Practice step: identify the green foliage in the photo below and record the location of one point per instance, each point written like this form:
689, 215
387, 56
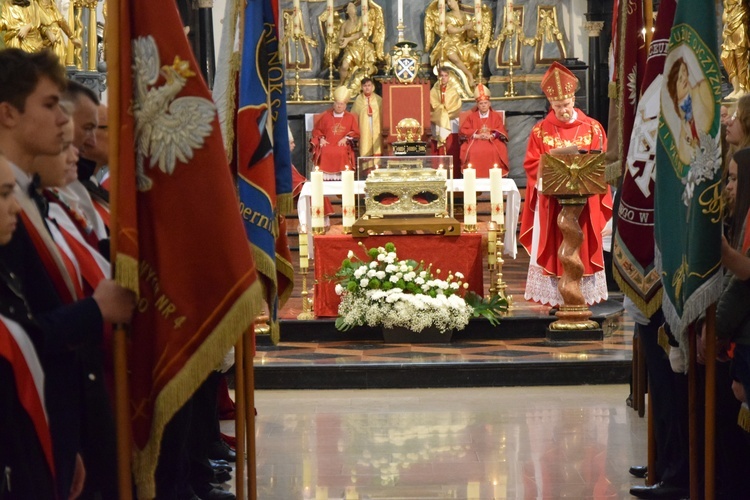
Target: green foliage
490, 308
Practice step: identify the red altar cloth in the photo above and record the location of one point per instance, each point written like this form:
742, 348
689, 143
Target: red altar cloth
448, 253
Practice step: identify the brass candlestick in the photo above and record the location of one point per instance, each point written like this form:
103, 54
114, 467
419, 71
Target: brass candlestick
330, 67
307, 310
304, 261
492, 254
296, 95
501, 285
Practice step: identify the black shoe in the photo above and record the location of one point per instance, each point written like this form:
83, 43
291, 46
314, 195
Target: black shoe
220, 466
221, 476
219, 450
211, 493
639, 471
660, 490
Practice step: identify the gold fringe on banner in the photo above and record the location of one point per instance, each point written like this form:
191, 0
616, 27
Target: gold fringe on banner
285, 203
238, 319
126, 273
743, 418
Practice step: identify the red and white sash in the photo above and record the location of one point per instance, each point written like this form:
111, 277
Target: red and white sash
16, 347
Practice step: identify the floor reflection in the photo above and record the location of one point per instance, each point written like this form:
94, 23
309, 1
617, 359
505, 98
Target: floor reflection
483, 443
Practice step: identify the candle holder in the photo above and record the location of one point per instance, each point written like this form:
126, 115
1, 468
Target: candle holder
501, 286
319, 230
296, 95
307, 303
329, 42
470, 228
492, 255
511, 32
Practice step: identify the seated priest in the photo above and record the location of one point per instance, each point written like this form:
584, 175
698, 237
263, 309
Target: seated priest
333, 137
484, 136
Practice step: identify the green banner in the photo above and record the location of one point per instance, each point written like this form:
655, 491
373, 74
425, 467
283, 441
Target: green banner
688, 212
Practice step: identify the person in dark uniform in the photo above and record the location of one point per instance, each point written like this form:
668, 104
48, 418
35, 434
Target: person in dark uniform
31, 123
26, 465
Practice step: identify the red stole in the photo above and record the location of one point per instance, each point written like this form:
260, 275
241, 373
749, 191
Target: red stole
56, 274
28, 393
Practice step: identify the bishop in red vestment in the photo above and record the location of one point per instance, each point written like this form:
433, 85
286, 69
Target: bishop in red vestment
484, 136
564, 126
333, 135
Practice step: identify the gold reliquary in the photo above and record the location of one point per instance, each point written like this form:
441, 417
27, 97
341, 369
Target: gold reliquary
406, 194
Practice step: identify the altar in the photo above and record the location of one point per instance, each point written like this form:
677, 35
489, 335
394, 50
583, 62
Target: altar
449, 254
333, 188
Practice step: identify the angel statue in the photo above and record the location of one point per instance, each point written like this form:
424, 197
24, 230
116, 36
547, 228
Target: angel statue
734, 49
53, 29
456, 46
361, 50
21, 22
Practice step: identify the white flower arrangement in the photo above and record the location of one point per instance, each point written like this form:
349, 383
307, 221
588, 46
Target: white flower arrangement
392, 293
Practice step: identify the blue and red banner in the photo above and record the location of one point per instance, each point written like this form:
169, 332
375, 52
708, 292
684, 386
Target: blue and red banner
263, 155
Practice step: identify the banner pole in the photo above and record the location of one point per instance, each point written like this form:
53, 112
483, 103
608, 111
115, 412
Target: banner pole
710, 431
120, 361
240, 416
249, 351
693, 417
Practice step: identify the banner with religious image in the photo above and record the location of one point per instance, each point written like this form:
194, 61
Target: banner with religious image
633, 244
688, 214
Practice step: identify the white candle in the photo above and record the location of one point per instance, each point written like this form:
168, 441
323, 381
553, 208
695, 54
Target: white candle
365, 16
470, 196
329, 20
442, 172
401, 12
477, 16
496, 194
318, 212
347, 197
304, 255
441, 12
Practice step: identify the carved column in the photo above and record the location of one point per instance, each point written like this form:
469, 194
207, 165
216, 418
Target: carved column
594, 30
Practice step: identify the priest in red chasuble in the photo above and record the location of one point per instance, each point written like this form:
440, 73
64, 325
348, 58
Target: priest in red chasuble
564, 126
484, 136
333, 136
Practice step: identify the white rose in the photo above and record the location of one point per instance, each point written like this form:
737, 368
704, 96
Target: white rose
364, 282
381, 257
339, 289
371, 273
393, 279
350, 254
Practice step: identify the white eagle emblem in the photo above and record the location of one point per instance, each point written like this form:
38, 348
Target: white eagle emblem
167, 129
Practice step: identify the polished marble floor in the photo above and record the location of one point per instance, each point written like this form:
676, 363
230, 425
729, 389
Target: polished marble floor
572, 442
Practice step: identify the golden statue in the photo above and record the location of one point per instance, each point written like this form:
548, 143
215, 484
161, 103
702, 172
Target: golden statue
53, 27
456, 46
362, 48
22, 21
734, 49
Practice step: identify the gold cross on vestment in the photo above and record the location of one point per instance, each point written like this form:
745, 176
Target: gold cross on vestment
338, 129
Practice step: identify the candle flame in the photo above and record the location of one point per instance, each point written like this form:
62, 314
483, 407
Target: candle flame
317, 168
494, 166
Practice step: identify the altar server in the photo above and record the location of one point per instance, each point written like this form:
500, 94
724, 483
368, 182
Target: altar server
366, 108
